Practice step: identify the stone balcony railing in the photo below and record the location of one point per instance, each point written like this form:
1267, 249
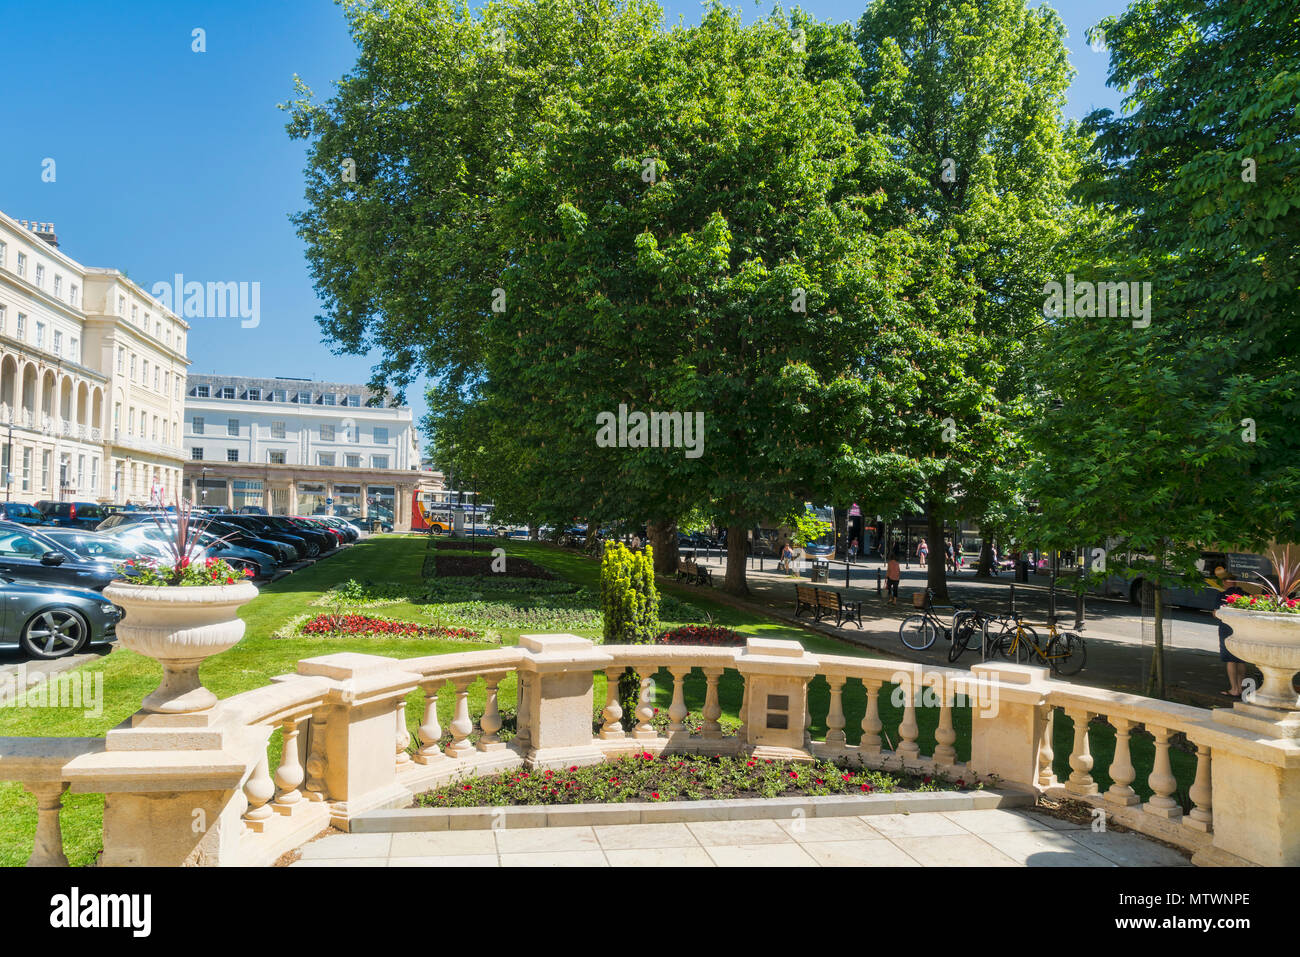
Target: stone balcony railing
200, 789
47, 424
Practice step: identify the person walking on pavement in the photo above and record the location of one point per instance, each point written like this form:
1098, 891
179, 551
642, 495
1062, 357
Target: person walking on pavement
922, 552
1236, 667
891, 579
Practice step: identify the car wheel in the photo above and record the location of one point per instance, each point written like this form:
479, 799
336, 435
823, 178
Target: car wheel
53, 633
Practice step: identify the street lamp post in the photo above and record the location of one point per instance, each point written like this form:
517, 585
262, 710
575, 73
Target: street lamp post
9, 467
203, 482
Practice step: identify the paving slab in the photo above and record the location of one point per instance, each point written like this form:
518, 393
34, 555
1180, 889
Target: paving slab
738, 833
548, 839
660, 857
639, 836
760, 855
1129, 849
828, 829
996, 821
1046, 848
450, 860
869, 853
556, 859
349, 845
913, 825
953, 850
444, 844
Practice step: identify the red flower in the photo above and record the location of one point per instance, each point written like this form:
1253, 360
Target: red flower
847, 777
573, 768
866, 787
655, 795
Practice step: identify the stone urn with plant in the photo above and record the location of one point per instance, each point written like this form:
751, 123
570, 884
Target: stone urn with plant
1266, 632
180, 609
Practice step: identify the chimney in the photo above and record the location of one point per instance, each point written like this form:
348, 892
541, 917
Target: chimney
44, 230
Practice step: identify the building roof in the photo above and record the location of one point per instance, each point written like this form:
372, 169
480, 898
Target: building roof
242, 384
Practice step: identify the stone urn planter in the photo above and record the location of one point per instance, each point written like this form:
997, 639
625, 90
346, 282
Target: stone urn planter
1271, 642
180, 626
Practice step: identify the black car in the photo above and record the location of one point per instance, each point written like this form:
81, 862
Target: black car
283, 552
50, 622
263, 526
28, 554
85, 515
22, 513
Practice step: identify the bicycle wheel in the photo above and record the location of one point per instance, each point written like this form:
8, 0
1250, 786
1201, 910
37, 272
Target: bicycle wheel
918, 632
1067, 653
961, 638
1025, 654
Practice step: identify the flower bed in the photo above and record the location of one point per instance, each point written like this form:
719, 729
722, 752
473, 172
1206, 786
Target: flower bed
366, 625
675, 777
520, 613
1270, 604
458, 566
711, 635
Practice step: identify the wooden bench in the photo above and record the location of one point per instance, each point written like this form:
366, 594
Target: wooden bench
805, 597
826, 603
694, 574
830, 603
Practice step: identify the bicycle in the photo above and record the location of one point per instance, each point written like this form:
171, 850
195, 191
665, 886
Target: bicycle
920, 631
1064, 652
973, 624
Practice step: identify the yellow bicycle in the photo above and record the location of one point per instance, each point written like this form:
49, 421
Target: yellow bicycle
1064, 651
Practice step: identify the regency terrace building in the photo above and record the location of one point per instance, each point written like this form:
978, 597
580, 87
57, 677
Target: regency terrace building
299, 447
92, 370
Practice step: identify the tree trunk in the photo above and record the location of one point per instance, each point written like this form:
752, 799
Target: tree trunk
985, 567
533, 532
936, 561
663, 539
841, 532
735, 580
1156, 681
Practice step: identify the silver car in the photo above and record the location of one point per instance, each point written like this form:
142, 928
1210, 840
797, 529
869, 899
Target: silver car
49, 621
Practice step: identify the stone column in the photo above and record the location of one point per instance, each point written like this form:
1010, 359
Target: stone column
1008, 722
557, 698
776, 683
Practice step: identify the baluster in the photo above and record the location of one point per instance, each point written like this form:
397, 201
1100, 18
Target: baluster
1162, 780
871, 723
316, 757
677, 710
430, 731
1121, 770
490, 723
945, 737
712, 730
523, 711
259, 788
807, 721
289, 775
402, 739
835, 737
613, 712
1080, 781
1201, 817
47, 849
1046, 776
461, 726
908, 730
645, 709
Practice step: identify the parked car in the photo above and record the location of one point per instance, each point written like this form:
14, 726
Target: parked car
146, 538
350, 532
92, 546
28, 554
85, 515
265, 526
50, 622
22, 513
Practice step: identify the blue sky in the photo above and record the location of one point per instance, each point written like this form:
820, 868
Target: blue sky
169, 161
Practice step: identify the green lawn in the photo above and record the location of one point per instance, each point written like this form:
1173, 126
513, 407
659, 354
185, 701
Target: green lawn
400, 559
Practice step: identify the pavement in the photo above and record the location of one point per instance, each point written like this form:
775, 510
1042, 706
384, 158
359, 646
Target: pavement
981, 838
1119, 653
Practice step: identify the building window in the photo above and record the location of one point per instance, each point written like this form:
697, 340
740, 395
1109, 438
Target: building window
21, 330
275, 457
303, 398
22, 271
74, 294
45, 468
196, 453
198, 425
74, 350
121, 358
121, 306
3, 249
58, 291
58, 342
200, 392
325, 458
27, 463
4, 317
354, 401
155, 378
381, 436
327, 433
232, 427
40, 276
227, 393
254, 395
232, 455
327, 398
40, 335
132, 365
144, 371
277, 430
353, 461
379, 461
279, 395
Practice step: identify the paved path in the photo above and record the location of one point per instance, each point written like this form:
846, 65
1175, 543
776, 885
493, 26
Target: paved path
1117, 657
1000, 838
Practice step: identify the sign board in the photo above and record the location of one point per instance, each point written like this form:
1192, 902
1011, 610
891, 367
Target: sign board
855, 511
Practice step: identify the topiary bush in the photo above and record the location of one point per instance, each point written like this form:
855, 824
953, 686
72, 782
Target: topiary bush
630, 602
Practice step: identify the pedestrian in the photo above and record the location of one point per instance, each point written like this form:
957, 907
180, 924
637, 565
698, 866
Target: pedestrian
787, 553
1236, 667
952, 555
922, 552
636, 543
993, 550
891, 579
853, 550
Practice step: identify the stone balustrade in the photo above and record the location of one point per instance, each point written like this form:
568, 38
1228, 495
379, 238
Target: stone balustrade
266, 770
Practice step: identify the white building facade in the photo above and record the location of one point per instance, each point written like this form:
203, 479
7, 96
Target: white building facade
61, 325
298, 447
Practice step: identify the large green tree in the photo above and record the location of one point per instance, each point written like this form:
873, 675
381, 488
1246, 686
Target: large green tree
1167, 433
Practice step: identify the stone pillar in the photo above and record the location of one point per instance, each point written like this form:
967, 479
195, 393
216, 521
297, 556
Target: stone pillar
558, 699
776, 701
1008, 722
1256, 790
